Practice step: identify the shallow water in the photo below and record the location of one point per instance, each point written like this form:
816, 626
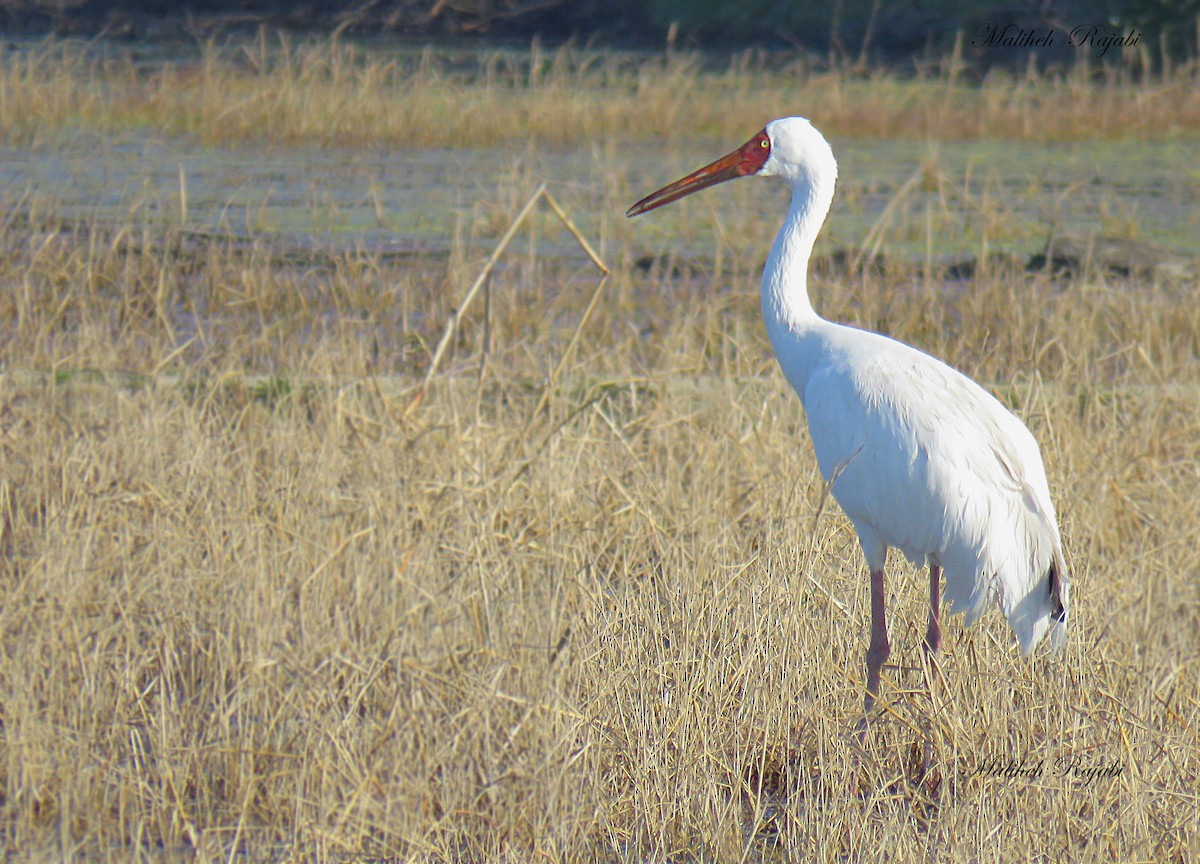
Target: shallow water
415, 200
1148, 190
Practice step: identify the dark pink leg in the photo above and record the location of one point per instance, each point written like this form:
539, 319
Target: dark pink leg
933, 636
879, 649
933, 642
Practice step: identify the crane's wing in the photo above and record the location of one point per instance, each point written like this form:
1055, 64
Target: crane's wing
927, 462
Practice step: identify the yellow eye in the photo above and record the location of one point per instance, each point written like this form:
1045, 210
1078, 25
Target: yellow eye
764, 143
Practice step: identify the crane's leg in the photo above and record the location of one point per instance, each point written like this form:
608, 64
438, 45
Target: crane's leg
933, 642
933, 635
877, 654
879, 649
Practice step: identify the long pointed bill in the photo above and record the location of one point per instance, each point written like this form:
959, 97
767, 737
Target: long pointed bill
747, 159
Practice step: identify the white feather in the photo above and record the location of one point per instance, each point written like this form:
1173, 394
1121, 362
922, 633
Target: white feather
926, 461
921, 458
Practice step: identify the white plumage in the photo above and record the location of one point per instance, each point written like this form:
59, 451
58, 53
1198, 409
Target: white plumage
921, 458
930, 464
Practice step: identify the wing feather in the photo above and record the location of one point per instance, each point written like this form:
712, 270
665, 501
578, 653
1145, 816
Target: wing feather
931, 464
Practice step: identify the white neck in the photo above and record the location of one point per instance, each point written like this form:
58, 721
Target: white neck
787, 311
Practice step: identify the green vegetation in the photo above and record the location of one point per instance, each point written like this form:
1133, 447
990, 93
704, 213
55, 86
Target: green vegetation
896, 31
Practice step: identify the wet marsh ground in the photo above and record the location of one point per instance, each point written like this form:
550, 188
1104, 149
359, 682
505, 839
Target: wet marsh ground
260, 606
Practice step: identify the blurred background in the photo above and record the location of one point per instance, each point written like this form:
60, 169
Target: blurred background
860, 31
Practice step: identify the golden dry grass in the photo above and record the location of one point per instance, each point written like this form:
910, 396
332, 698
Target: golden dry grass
281, 91
254, 611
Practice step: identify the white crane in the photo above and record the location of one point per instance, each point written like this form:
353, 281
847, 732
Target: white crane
920, 457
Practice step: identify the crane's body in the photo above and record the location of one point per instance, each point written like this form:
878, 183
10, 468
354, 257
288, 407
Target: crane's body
924, 461
921, 458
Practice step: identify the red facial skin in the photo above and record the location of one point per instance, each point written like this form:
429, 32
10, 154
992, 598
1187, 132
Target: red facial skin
747, 159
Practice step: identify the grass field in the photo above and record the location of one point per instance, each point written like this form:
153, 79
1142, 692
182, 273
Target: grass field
259, 607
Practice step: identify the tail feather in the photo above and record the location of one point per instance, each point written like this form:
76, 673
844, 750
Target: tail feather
1043, 607
1057, 587
1029, 576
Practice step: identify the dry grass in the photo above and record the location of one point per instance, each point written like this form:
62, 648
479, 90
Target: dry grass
332, 93
252, 609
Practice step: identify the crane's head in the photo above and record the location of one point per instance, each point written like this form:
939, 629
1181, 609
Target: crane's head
790, 148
